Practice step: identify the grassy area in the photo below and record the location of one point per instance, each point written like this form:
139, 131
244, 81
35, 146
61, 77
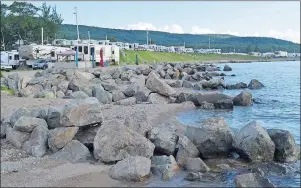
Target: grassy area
5, 89
149, 57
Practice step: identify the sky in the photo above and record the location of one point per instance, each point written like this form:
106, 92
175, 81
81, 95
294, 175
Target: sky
278, 19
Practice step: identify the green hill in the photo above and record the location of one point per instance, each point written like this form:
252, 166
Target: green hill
225, 42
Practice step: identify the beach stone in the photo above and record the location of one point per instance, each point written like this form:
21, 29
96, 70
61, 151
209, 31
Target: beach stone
138, 80
109, 85
81, 115
38, 112
286, 149
156, 98
142, 94
213, 137
61, 136
27, 124
193, 176
75, 85
4, 124
105, 77
165, 166
131, 169
174, 83
255, 84
114, 142
243, 99
154, 84
210, 97
186, 96
54, 116
196, 165
117, 96
37, 143
227, 68
102, 95
253, 142
127, 102
74, 152
207, 106
186, 149
164, 138
197, 86
23, 82
252, 180
212, 83
187, 84
86, 135
63, 86
16, 138
60, 94
224, 104
31, 90
115, 73
17, 114
138, 122
47, 94
131, 90
239, 85
78, 95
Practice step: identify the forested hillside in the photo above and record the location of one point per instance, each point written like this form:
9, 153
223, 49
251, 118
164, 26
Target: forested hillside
225, 42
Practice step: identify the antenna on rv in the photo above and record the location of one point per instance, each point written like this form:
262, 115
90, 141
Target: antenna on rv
42, 36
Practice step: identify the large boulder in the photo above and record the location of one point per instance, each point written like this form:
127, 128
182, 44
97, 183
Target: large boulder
74, 152
212, 83
61, 136
142, 94
37, 143
63, 86
196, 165
186, 149
81, 115
186, 96
165, 139
54, 117
252, 180
38, 112
138, 122
154, 84
174, 83
47, 94
255, 84
31, 90
117, 96
213, 137
210, 97
78, 95
165, 166
131, 90
223, 104
16, 138
27, 124
127, 102
102, 95
227, 68
239, 85
286, 149
132, 169
17, 114
114, 142
156, 98
253, 142
243, 99
109, 85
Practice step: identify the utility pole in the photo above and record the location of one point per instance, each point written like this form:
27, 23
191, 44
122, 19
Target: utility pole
209, 43
184, 44
106, 37
42, 36
76, 23
146, 36
89, 37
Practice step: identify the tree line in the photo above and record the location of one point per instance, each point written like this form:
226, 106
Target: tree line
23, 21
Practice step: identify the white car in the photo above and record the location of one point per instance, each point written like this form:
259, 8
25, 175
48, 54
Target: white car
6, 67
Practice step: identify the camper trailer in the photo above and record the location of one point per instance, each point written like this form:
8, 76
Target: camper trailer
10, 58
85, 52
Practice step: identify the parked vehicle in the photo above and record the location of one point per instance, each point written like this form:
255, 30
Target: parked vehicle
42, 64
10, 58
6, 67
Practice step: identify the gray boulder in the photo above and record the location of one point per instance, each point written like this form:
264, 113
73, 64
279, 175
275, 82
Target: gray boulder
4, 124
142, 94
109, 85
213, 137
117, 96
253, 142
186, 96
193, 176
156, 98
81, 115
131, 90
239, 85
212, 83
165, 166
243, 99
154, 84
207, 106
63, 86
78, 95
286, 149
115, 73
74, 152
255, 84
252, 180
31, 90
47, 94
186, 149
61, 136
37, 143
27, 124
54, 117
86, 135
196, 165
164, 138
227, 68
114, 142
131, 169
38, 112
224, 104
102, 95
17, 114
127, 102
210, 97
187, 84
60, 94
174, 83
138, 122
16, 138
138, 80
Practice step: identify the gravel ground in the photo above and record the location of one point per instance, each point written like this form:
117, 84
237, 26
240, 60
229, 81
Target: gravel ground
19, 169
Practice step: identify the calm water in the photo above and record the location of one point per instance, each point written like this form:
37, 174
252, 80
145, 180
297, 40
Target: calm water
279, 107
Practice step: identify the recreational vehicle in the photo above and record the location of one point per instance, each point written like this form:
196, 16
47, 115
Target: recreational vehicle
10, 58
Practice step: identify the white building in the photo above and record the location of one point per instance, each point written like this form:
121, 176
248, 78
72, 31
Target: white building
189, 50
280, 54
208, 51
293, 54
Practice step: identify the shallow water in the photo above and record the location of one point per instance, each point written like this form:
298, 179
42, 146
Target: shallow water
279, 107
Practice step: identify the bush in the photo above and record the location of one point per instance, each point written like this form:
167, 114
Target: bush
4, 88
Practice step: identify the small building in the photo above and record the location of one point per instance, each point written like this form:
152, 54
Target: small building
208, 51
280, 54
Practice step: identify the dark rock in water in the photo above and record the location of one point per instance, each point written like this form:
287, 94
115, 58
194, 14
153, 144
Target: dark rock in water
286, 148
132, 169
253, 142
165, 166
255, 84
233, 75
207, 106
222, 74
243, 99
239, 85
213, 137
273, 169
252, 180
186, 149
257, 101
227, 68
186, 96
193, 176
224, 104
195, 165
210, 97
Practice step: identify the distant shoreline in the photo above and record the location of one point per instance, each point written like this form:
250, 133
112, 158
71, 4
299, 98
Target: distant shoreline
251, 61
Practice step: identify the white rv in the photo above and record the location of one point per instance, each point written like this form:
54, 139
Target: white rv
10, 58
85, 51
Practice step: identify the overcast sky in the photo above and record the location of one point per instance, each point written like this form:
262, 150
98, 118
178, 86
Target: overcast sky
270, 18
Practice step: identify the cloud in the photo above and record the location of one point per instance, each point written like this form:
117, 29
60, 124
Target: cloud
289, 34
199, 30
